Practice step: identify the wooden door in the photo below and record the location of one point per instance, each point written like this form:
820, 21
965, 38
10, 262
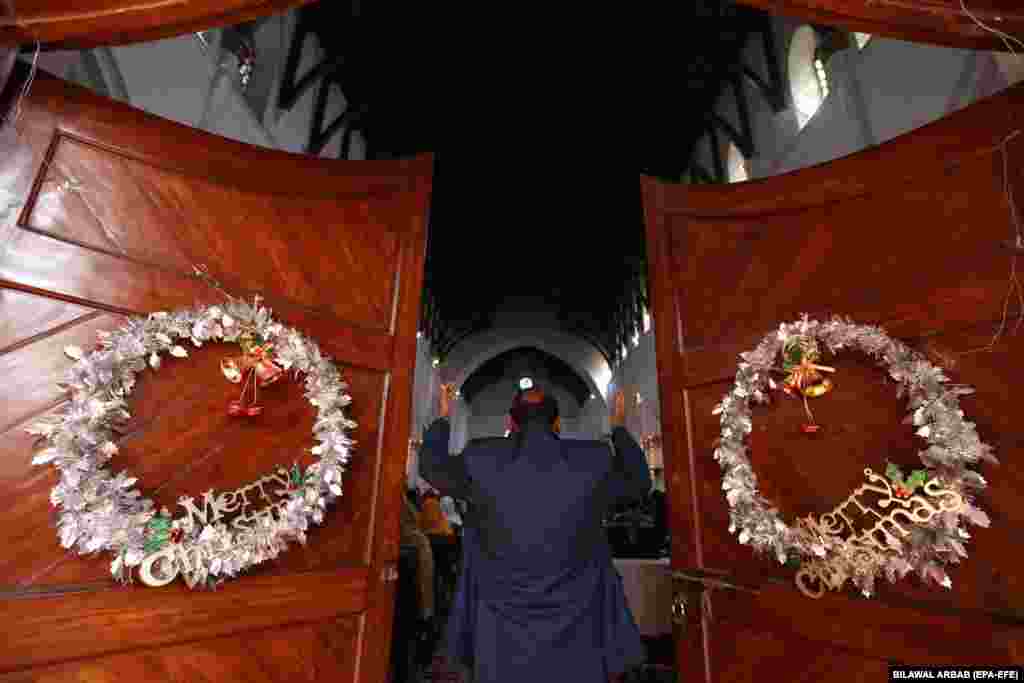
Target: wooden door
910, 235
108, 210
942, 22
78, 24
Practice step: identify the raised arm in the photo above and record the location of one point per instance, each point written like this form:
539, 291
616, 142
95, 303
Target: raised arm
445, 472
630, 478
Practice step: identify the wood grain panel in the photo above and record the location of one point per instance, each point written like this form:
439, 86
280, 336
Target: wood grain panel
91, 23
123, 286
295, 653
33, 371
941, 22
868, 630
911, 235
114, 196
376, 634
50, 628
745, 651
26, 317
336, 250
829, 260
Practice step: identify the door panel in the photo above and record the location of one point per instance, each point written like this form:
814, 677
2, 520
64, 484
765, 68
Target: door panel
910, 235
88, 23
293, 653
888, 628
942, 22
114, 210
118, 194
746, 652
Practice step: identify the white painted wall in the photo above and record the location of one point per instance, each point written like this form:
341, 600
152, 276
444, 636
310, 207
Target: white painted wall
520, 325
426, 404
888, 88
181, 80
486, 416
638, 374
1011, 66
473, 352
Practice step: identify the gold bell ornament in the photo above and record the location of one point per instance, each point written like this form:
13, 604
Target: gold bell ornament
804, 375
257, 368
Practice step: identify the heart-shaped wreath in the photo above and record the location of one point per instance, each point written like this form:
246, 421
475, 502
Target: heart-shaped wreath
102, 511
915, 523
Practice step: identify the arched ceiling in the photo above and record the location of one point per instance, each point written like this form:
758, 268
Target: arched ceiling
537, 180
526, 362
540, 129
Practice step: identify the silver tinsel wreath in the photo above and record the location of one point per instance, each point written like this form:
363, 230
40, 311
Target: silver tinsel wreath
952, 444
101, 511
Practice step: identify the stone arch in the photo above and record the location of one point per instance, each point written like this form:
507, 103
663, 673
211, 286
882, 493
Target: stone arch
474, 351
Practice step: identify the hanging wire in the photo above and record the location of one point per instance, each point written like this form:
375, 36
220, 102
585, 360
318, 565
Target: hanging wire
1007, 39
1017, 243
202, 272
15, 114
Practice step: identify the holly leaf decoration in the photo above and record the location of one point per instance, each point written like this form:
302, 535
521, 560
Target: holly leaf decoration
297, 478
894, 473
158, 534
159, 524
798, 349
904, 489
917, 478
793, 356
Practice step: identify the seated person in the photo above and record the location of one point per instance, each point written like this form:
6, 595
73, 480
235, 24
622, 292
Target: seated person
412, 535
433, 521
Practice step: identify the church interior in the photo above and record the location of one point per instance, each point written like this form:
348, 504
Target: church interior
613, 214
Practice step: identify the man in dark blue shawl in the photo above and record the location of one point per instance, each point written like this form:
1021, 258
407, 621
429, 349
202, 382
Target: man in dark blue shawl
538, 598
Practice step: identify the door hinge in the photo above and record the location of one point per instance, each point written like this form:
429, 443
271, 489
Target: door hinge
699, 582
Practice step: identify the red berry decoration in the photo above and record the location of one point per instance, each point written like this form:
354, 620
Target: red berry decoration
176, 535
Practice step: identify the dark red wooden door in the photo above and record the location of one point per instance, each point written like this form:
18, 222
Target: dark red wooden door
106, 212
909, 235
943, 22
77, 24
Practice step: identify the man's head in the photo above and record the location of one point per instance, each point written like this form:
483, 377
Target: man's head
533, 406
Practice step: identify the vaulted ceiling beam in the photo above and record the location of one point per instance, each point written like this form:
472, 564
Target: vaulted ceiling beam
775, 90
716, 156
292, 91
699, 173
746, 131
743, 142
320, 136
